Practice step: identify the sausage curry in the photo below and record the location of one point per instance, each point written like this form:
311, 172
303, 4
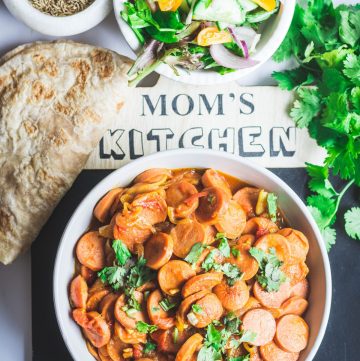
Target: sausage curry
190, 264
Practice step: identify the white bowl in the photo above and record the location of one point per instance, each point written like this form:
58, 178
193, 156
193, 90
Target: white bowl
272, 36
296, 212
59, 26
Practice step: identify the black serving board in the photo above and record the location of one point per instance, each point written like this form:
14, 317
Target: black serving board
341, 342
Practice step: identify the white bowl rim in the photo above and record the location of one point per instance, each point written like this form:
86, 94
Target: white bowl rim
70, 25
201, 77
267, 173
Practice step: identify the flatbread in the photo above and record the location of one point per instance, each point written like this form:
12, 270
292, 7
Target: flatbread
56, 101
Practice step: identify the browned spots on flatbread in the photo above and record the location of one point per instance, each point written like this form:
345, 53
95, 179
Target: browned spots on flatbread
83, 69
39, 91
38, 58
87, 115
63, 109
50, 68
5, 219
103, 61
30, 127
119, 105
58, 138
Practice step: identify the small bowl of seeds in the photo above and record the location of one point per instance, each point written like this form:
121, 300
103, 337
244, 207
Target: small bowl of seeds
60, 17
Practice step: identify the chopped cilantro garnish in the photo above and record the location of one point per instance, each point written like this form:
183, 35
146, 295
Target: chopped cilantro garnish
140, 274
144, 327
166, 305
149, 346
196, 308
223, 246
270, 275
121, 251
113, 276
235, 252
195, 253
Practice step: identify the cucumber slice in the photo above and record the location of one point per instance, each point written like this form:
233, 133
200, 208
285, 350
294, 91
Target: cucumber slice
227, 11
221, 25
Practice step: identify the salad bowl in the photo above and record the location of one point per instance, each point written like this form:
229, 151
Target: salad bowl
297, 215
272, 32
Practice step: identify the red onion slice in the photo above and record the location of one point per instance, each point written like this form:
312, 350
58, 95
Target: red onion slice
241, 43
228, 59
245, 34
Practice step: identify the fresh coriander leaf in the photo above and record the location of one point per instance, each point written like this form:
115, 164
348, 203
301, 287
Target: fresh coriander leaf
272, 206
223, 247
352, 222
235, 252
149, 346
329, 235
195, 253
131, 300
325, 205
355, 98
196, 308
349, 29
140, 274
210, 261
309, 49
232, 323
144, 327
166, 305
114, 276
270, 277
321, 220
290, 79
319, 180
306, 108
121, 251
207, 353
231, 272
248, 336
352, 68
213, 336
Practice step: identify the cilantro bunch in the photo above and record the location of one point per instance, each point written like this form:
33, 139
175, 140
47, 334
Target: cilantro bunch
325, 42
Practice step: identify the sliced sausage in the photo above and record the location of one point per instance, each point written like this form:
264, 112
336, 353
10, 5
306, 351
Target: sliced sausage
180, 197
147, 286
88, 275
292, 333
271, 352
102, 356
90, 251
262, 323
102, 209
95, 298
295, 272
233, 221
166, 341
173, 275
153, 207
78, 292
157, 315
158, 250
247, 198
97, 330
301, 289
294, 305
213, 206
259, 226
130, 230
185, 305
298, 243
249, 305
106, 307
205, 281
186, 234
212, 178
244, 261
275, 241
133, 337
123, 318
96, 286
188, 349
80, 316
232, 297
210, 310
154, 175
115, 348
272, 299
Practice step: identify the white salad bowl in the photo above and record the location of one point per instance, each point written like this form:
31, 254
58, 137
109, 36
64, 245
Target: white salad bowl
59, 25
274, 31
296, 212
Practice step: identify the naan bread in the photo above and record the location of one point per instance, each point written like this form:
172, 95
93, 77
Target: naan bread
56, 101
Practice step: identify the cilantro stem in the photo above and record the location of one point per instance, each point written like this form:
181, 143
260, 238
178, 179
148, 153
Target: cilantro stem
306, 66
338, 200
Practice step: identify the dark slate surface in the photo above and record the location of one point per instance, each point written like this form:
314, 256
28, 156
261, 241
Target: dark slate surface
341, 342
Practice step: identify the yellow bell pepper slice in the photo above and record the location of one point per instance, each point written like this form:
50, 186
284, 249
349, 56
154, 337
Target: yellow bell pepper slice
169, 5
267, 5
212, 35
